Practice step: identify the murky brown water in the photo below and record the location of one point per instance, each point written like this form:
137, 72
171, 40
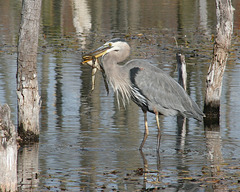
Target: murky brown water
86, 142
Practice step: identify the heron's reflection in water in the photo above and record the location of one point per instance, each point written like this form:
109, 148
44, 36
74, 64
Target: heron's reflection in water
151, 177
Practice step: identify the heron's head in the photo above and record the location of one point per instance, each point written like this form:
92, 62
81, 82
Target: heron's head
117, 47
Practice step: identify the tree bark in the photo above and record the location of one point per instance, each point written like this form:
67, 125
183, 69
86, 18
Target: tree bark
224, 29
29, 101
8, 151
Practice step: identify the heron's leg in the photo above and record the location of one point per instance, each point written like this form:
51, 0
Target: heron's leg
157, 119
146, 132
159, 131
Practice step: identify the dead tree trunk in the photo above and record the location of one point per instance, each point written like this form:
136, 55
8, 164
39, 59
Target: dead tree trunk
224, 29
182, 70
27, 84
8, 151
182, 80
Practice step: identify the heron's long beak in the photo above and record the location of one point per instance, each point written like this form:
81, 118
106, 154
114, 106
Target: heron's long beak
93, 55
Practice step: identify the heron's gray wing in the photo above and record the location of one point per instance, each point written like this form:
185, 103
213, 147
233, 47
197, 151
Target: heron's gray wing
162, 92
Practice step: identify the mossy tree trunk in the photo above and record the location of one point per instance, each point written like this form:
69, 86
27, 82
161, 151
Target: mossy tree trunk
29, 101
224, 29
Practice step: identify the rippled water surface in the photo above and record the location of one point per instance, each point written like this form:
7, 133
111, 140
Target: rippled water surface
88, 143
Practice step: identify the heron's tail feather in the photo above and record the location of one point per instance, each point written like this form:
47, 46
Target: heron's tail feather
195, 112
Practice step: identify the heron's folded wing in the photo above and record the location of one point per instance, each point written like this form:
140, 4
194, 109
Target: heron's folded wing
163, 92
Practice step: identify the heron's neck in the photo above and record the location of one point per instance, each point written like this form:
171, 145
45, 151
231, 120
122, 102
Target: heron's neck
117, 78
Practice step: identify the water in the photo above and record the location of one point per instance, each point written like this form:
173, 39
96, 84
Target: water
86, 142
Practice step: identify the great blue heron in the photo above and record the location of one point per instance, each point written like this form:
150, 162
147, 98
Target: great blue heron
148, 86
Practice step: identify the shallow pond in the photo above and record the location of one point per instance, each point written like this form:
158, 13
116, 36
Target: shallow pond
88, 143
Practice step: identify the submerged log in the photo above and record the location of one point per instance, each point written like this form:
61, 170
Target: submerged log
224, 29
8, 151
29, 101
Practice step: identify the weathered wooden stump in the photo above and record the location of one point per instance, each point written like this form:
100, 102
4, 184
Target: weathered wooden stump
182, 80
8, 151
29, 101
224, 29
182, 70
